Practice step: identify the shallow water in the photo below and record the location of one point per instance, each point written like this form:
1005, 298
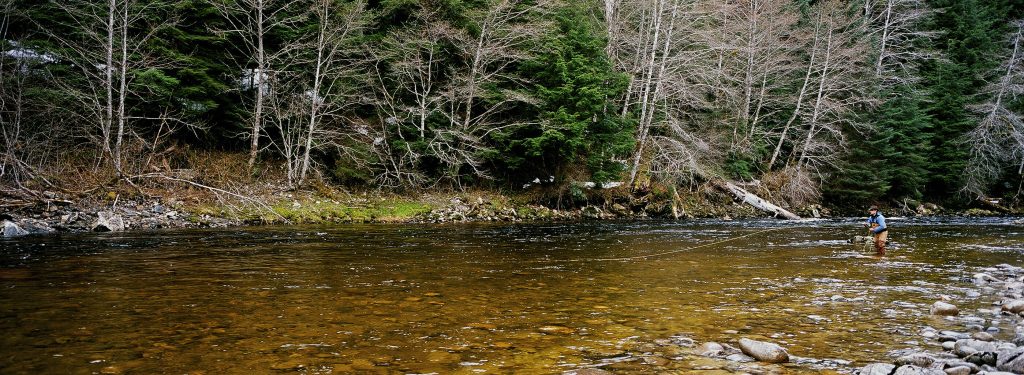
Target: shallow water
483, 298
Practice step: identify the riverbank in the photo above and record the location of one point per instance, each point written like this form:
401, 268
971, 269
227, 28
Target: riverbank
218, 190
113, 210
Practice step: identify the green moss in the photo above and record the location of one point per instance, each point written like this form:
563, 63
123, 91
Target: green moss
312, 212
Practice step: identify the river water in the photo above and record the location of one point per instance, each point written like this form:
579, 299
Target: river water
484, 298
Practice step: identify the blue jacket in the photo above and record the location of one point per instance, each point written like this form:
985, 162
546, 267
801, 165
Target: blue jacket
880, 220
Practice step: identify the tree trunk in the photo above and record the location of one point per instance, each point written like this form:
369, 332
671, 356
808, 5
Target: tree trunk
108, 122
755, 201
820, 97
123, 71
799, 100
261, 66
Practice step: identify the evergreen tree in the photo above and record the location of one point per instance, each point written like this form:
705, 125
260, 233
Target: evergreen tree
577, 122
972, 34
903, 144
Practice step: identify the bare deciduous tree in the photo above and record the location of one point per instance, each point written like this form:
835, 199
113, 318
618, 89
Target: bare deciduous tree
254, 21
897, 25
505, 29
327, 90
840, 85
107, 49
760, 37
998, 140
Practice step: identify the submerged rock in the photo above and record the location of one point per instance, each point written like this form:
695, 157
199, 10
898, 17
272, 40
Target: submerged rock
740, 358
946, 309
556, 330
589, 371
711, 349
764, 351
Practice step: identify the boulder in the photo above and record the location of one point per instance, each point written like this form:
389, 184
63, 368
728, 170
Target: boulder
764, 351
711, 349
1011, 360
942, 308
107, 221
13, 230
915, 370
877, 369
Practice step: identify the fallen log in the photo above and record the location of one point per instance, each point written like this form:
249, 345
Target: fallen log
757, 202
993, 204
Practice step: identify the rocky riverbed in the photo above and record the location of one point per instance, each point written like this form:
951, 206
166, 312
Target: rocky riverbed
991, 341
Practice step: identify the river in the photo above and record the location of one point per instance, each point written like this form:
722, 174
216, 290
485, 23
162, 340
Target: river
485, 298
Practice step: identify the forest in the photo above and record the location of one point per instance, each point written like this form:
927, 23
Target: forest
845, 103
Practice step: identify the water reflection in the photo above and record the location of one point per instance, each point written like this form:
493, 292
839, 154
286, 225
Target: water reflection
479, 298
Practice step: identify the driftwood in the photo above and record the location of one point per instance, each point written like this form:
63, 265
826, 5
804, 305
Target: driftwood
756, 201
992, 205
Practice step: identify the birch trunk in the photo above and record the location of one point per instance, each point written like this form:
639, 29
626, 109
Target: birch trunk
824, 75
261, 75
799, 100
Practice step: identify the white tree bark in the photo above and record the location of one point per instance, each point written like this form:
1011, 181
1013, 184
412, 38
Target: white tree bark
997, 142
757, 202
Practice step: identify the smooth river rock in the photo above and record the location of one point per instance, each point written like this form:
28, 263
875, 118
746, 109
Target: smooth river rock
983, 336
711, 349
946, 309
959, 370
915, 370
1015, 306
877, 369
764, 351
1011, 360
916, 359
967, 347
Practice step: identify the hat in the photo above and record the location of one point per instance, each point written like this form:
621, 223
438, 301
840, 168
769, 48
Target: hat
873, 208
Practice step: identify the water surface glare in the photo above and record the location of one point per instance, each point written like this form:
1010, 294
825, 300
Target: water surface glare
483, 298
